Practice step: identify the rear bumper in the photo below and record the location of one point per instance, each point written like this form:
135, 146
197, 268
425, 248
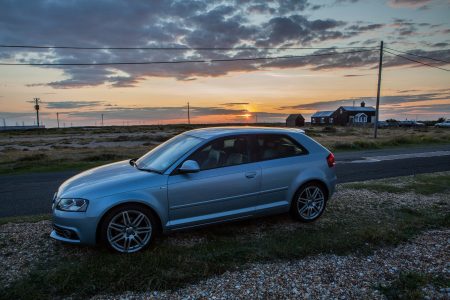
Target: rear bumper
331, 184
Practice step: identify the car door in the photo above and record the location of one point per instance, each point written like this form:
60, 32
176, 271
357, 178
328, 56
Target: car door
226, 187
281, 159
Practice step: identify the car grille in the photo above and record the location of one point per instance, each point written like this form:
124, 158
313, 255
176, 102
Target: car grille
65, 233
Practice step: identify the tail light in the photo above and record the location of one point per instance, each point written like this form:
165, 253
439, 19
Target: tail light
330, 160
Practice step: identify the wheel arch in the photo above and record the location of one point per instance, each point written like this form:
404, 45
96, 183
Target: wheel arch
308, 181
155, 215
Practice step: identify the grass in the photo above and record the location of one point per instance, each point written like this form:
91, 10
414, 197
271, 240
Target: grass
396, 141
54, 149
18, 162
25, 219
168, 266
409, 284
424, 184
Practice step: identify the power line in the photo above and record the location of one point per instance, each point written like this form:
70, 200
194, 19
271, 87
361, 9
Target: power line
185, 61
179, 48
421, 56
416, 61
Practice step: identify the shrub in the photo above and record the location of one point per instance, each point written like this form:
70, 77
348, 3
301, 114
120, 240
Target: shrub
103, 157
33, 157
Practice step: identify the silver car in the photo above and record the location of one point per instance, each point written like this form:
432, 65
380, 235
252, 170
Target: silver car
203, 176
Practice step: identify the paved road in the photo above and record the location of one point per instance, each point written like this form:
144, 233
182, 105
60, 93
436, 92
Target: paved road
29, 194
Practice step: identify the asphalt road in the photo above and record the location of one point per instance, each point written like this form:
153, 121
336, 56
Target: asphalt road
29, 194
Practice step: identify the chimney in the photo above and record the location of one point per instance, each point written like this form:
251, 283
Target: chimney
363, 104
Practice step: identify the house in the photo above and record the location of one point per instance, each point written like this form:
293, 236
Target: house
358, 115
295, 120
322, 117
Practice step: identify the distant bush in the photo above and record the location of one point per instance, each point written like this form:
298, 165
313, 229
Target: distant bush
312, 133
33, 157
125, 138
103, 157
121, 138
329, 129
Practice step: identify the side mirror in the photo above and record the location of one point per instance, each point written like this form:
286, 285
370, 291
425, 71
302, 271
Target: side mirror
189, 166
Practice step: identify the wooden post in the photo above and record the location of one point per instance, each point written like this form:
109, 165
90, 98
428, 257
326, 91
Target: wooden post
377, 112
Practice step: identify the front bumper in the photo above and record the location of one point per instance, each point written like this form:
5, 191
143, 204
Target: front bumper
74, 227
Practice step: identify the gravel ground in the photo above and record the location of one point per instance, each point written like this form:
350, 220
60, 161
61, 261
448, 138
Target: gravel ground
323, 276
23, 246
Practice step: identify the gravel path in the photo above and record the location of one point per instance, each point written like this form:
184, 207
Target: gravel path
323, 276
23, 246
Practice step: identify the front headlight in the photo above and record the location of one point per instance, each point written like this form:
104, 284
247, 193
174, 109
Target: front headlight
72, 204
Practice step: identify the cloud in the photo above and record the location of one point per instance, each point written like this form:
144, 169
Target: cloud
172, 113
174, 23
354, 75
408, 3
162, 23
72, 104
235, 103
393, 101
369, 27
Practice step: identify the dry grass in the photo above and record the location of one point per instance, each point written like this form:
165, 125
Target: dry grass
78, 148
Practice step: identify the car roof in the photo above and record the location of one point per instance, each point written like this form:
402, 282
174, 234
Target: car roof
212, 132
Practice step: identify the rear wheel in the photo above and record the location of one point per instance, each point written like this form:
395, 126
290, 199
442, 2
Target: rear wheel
309, 202
128, 229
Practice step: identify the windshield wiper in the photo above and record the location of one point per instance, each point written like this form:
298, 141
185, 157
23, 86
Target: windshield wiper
133, 163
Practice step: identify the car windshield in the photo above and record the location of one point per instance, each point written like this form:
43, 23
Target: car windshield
163, 156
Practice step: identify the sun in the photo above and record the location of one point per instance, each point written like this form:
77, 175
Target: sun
246, 116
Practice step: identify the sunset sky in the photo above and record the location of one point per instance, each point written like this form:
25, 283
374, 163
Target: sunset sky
221, 91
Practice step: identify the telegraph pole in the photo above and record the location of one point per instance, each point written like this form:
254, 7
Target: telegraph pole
36, 107
102, 120
377, 112
189, 115
57, 118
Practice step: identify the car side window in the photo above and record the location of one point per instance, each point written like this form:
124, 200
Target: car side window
273, 146
222, 152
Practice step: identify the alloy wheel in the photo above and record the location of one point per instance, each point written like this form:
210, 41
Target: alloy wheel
129, 231
310, 203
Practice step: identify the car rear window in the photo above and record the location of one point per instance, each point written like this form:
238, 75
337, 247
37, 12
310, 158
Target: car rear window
274, 146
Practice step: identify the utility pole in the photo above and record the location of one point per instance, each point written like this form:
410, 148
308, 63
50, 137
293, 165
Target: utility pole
4, 122
189, 115
102, 120
36, 107
57, 118
256, 118
377, 112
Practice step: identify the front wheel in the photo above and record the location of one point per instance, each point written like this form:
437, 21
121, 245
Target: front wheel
309, 202
127, 229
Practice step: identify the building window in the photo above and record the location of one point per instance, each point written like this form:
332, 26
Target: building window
331, 121
360, 118
322, 120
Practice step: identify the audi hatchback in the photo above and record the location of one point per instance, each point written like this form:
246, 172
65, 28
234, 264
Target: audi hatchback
203, 176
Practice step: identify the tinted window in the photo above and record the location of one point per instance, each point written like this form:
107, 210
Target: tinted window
272, 146
222, 153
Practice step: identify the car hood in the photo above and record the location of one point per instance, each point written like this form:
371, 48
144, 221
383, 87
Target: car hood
107, 180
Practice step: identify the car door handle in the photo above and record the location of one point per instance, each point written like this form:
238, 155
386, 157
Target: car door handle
250, 174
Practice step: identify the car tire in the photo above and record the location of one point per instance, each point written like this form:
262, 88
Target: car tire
128, 228
309, 202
